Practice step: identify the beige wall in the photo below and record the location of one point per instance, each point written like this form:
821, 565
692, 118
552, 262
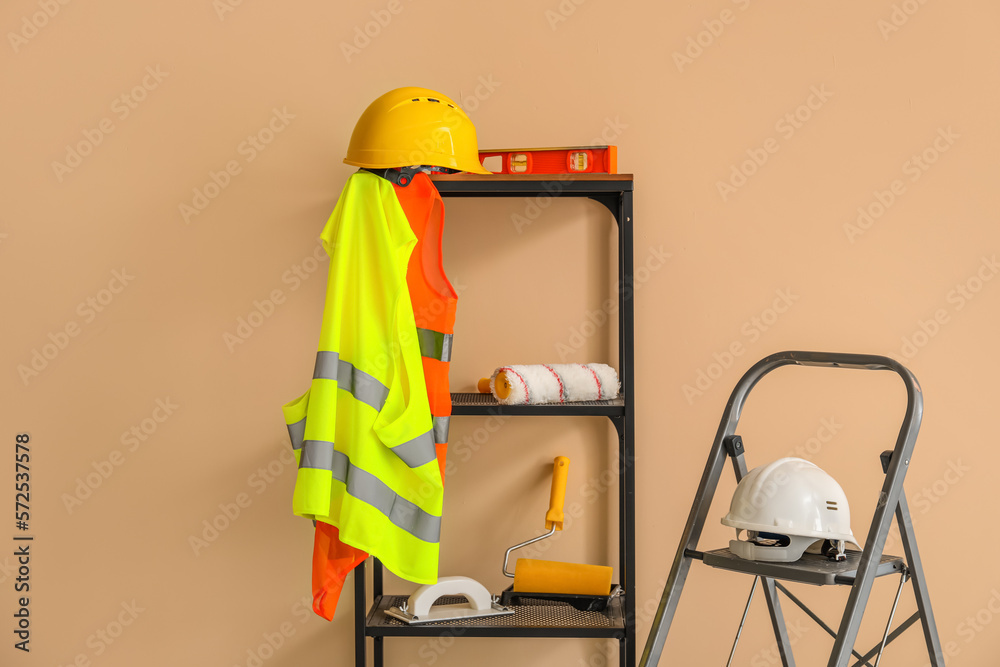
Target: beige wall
887, 82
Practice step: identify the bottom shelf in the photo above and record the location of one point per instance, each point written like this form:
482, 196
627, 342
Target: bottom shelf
535, 618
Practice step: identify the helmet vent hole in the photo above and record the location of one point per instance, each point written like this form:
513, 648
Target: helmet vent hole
831, 505
431, 99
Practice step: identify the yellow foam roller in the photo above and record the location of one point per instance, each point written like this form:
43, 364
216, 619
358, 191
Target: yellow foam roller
548, 576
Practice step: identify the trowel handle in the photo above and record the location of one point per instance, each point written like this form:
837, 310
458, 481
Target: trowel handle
560, 471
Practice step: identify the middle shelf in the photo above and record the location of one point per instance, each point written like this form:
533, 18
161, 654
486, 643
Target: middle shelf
473, 403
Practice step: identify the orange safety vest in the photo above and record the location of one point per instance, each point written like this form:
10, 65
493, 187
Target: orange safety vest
434, 302
434, 299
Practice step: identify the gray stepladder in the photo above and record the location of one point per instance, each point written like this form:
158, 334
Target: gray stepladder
858, 571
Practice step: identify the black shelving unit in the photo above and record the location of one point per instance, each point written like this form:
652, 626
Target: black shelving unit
542, 619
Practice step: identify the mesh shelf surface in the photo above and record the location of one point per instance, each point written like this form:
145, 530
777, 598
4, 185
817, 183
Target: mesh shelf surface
810, 569
485, 404
533, 618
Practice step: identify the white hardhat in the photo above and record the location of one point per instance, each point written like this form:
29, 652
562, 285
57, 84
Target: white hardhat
785, 507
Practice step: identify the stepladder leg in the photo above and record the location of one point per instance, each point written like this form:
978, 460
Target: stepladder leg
665, 613
919, 583
778, 622
682, 561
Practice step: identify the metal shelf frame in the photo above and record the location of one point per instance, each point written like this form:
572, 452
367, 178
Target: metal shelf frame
614, 192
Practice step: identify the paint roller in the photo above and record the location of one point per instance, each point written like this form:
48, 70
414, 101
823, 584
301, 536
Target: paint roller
551, 383
543, 576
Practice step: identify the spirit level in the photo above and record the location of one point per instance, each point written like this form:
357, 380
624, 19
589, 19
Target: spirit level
565, 160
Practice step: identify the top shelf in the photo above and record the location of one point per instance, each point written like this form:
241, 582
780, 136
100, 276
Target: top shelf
515, 185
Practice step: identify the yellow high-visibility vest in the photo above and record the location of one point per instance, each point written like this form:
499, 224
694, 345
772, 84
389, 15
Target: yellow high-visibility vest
363, 433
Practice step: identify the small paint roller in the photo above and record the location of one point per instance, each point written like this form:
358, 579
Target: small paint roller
543, 576
551, 383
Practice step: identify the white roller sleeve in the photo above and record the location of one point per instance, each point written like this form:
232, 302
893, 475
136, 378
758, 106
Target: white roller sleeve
557, 383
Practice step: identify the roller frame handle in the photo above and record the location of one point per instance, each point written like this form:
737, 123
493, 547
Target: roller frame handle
557, 497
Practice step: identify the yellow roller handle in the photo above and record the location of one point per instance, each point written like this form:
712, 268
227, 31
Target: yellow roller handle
560, 472
502, 385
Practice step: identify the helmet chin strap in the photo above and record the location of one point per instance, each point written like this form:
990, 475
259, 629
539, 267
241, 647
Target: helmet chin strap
401, 176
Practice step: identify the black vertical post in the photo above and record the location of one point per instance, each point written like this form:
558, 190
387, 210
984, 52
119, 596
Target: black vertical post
626, 481
360, 606
377, 646
376, 578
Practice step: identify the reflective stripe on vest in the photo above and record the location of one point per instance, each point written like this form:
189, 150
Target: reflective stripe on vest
364, 486
415, 453
297, 433
441, 425
434, 344
361, 385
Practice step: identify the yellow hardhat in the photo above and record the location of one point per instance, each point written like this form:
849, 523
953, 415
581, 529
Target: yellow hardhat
414, 126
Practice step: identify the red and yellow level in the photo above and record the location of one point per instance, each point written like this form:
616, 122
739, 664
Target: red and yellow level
564, 160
